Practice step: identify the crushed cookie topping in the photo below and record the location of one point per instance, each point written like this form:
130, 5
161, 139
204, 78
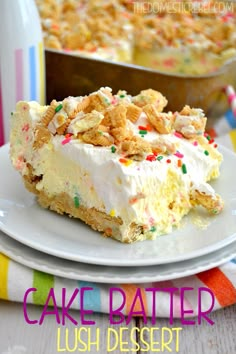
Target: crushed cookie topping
103, 119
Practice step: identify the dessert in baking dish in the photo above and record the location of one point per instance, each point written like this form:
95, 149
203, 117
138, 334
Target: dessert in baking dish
117, 162
186, 43
97, 29
179, 37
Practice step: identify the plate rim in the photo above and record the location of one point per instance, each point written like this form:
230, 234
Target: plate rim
115, 262
32, 260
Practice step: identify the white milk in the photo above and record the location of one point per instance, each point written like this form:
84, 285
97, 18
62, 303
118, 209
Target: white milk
22, 73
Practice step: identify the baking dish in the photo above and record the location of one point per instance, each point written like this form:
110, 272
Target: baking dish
68, 74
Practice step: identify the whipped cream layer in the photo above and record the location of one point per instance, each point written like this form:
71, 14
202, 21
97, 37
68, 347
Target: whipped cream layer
153, 193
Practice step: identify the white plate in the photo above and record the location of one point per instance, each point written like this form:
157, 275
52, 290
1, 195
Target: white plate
25, 221
113, 275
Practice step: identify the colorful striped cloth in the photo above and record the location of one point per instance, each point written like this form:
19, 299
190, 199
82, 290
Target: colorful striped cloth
15, 278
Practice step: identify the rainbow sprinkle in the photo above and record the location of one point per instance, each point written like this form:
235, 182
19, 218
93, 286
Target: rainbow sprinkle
159, 158
125, 161
76, 201
133, 200
142, 132
55, 26
66, 141
153, 229
151, 157
128, 163
178, 154
141, 127
58, 108
206, 152
112, 212
92, 50
25, 128
195, 143
147, 127
178, 135
113, 149
184, 169
114, 101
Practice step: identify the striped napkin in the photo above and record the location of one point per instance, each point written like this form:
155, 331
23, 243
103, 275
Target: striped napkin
15, 278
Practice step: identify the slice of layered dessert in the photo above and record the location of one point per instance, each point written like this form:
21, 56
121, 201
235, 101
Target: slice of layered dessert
117, 162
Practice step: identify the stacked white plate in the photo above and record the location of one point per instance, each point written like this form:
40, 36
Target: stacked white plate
65, 247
